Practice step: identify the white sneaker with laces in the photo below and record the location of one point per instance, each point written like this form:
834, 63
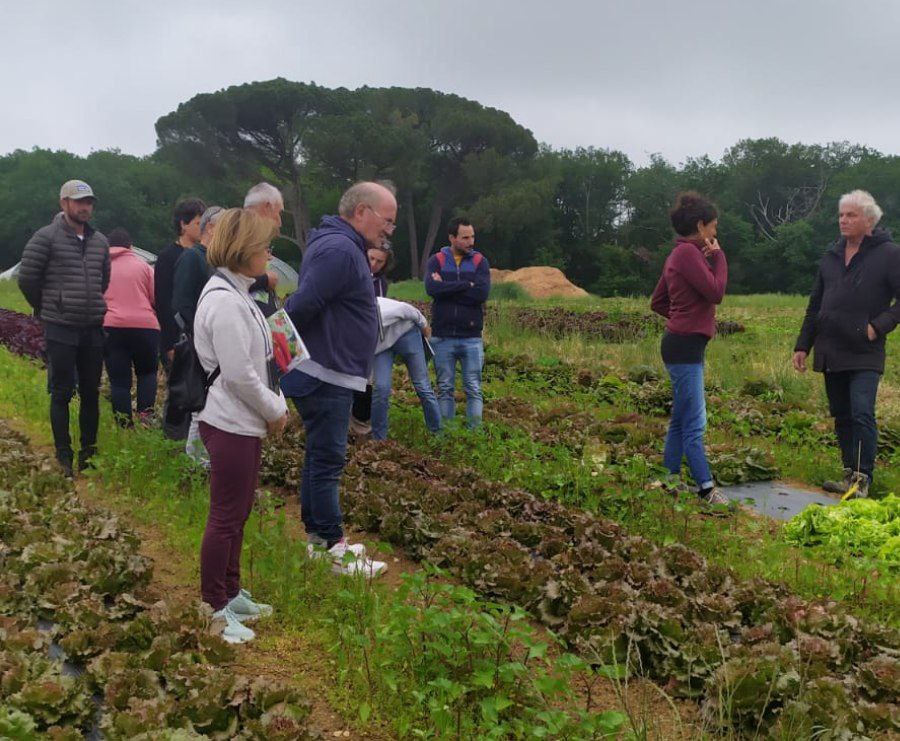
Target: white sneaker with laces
348, 559
233, 632
365, 567
337, 551
245, 608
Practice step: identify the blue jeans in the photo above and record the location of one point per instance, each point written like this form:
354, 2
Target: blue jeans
851, 401
325, 410
469, 351
409, 347
688, 423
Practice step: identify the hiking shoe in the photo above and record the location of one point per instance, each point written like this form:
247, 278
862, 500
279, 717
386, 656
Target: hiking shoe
859, 487
365, 567
64, 458
839, 487
714, 496
233, 632
245, 608
85, 458
337, 551
671, 484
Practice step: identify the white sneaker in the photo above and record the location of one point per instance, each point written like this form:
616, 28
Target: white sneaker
245, 608
233, 631
337, 551
365, 567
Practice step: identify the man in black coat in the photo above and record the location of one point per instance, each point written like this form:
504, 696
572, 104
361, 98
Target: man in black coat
854, 305
64, 274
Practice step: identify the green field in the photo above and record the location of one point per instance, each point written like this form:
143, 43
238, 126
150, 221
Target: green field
506, 641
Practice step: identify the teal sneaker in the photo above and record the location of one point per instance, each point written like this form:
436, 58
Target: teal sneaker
233, 632
245, 608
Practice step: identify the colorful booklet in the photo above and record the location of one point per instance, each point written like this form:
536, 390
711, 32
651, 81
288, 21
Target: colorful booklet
288, 345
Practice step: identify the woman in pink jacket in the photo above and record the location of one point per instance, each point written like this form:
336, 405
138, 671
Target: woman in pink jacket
132, 331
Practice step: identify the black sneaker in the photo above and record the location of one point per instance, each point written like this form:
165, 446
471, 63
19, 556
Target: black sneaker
64, 458
839, 487
85, 458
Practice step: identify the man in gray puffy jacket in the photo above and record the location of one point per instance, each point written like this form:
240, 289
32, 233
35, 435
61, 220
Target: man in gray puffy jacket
64, 274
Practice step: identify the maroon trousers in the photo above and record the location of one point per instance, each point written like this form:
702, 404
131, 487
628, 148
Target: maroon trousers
233, 478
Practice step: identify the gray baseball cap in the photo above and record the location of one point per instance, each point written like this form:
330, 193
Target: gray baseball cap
76, 190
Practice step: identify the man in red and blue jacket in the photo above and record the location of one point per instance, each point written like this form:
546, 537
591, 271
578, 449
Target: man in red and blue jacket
458, 279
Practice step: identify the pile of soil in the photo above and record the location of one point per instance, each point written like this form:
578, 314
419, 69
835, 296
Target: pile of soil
539, 282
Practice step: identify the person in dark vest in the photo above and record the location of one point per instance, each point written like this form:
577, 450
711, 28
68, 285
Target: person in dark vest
853, 307
64, 274
458, 279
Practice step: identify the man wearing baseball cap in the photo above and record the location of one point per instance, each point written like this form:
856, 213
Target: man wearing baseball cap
63, 275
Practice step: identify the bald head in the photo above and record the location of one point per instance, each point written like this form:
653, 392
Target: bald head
371, 209
366, 193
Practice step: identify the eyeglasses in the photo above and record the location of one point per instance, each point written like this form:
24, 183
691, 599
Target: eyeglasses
389, 224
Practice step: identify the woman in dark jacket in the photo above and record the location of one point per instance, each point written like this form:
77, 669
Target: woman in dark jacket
381, 260
692, 283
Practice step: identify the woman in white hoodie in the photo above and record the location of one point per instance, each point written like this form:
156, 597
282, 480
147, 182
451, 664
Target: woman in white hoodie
234, 344
405, 332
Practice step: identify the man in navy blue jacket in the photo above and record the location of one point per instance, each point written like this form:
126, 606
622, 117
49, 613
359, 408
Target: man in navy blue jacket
335, 312
458, 279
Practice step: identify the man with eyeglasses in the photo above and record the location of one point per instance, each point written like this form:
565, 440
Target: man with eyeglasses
458, 279
335, 312
266, 200
64, 274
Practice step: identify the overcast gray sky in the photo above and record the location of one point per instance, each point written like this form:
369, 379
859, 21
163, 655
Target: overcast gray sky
642, 76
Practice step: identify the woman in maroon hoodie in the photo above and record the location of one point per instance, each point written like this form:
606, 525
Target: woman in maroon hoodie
692, 283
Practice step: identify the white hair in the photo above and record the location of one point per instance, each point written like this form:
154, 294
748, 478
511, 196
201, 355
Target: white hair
862, 198
366, 192
263, 193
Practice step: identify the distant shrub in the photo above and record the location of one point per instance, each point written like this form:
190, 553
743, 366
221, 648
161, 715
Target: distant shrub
508, 292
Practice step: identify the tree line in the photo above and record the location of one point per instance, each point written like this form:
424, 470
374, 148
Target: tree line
591, 212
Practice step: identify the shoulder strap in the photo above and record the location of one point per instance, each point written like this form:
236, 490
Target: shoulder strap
441, 258
215, 374
211, 290
477, 258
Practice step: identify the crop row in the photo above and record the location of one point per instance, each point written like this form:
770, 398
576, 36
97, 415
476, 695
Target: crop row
752, 653
558, 322
82, 650
21, 334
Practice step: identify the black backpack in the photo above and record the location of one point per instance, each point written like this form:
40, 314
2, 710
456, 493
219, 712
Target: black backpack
188, 381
